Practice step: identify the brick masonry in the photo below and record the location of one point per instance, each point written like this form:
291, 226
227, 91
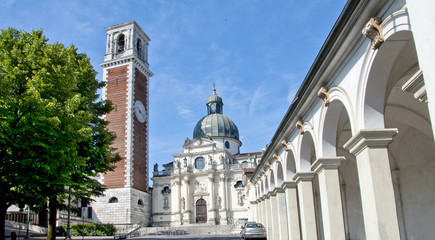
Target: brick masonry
116, 91
140, 138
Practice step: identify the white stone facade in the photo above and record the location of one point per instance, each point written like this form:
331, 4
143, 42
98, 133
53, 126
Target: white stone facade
219, 183
132, 206
353, 157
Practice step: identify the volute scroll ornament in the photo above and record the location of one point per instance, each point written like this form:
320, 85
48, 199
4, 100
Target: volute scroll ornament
300, 126
285, 145
276, 156
373, 31
324, 95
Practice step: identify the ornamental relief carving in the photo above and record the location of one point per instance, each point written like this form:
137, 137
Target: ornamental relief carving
200, 187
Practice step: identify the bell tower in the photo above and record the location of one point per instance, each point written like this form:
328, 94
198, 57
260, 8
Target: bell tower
126, 73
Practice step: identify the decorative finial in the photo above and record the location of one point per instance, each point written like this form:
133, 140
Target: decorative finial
214, 88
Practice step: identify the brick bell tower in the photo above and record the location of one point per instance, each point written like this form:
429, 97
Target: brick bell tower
126, 72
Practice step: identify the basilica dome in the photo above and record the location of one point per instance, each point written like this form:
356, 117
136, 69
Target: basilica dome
215, 124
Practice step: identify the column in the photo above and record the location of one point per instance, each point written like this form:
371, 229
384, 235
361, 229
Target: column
422, 20
258, 217
175, 203
263, 211
306, 204
377, 192
224, 204
187, 199
212, 210
291, 199
275, 215
330, 197
253, 211
281, 214
268, 208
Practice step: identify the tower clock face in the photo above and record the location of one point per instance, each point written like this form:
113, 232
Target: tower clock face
139, 110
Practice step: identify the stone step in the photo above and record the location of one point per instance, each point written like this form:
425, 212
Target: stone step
186, 230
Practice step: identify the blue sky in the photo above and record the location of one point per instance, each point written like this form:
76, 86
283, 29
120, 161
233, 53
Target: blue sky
256, 51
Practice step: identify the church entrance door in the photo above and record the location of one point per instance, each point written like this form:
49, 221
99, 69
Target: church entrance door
201, 211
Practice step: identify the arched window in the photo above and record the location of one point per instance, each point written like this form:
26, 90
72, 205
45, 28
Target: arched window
239, 184
139, 202
166, 191
139, 48
121, 43
199, 163
113, 200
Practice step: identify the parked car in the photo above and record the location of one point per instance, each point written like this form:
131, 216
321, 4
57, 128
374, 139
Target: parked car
252, 230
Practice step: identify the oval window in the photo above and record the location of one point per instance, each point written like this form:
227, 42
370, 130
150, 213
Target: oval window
227, 144
199, 163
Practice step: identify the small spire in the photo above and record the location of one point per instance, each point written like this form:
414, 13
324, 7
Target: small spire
214, 88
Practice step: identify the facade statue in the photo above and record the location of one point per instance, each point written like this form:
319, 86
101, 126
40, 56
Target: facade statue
156, 167
218, 202
183, 203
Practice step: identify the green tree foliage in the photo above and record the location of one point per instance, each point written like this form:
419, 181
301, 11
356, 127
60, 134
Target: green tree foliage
52, 134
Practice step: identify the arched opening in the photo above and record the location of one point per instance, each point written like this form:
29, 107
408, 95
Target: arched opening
201, 211
120, 43
272, 180
290, 166
139, 48
308, 153
336, 132
279, 174
411, 153
308, 157
113, 200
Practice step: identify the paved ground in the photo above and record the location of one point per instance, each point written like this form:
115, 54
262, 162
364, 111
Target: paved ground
151, 237
37, 236
190, 237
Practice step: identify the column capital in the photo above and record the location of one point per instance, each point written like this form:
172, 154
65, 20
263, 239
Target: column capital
278, 190
288, 184
372, 138
326, 163
303, 176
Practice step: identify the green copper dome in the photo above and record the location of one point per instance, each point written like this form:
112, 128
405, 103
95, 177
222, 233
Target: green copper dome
215, 124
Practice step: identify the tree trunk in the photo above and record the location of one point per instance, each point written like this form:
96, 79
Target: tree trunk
3, 209
52, 207
42, 216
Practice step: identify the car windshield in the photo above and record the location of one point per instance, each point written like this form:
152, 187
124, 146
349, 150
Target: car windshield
254, 225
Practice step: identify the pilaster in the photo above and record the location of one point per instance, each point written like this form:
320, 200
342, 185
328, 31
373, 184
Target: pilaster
269, 216
330, 196
377, 192
291, 197
306, 204
281, 213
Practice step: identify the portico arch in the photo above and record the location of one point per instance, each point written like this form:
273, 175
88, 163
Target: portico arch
279, 174
307, 152
385, 104
336, 131
290, 164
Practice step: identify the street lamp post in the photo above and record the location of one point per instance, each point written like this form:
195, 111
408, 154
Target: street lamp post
68, 233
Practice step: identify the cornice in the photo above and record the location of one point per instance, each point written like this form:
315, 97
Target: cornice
370, 138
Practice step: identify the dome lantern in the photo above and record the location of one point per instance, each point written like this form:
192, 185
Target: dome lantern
214, 103
215, 123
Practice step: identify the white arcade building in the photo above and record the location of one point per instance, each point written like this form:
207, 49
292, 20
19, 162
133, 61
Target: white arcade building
204, 183
354, 156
